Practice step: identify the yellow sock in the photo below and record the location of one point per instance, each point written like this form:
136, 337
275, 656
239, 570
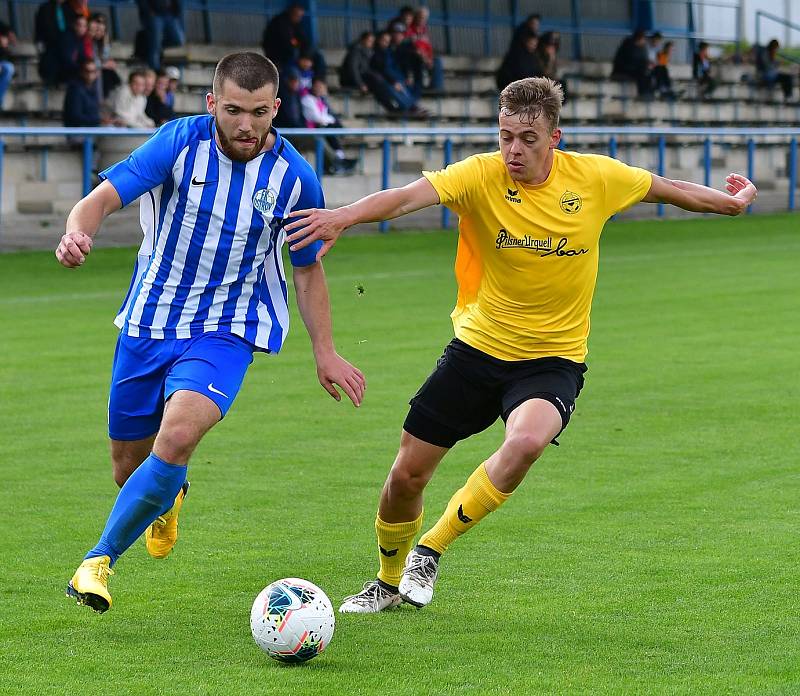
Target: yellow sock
395, 540
466, 508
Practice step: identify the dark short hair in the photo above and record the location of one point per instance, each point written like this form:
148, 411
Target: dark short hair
364, 35
134, 74
247, 70
531, 98
98, 17
702, 45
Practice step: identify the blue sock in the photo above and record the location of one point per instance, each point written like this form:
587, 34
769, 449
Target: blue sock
149, 492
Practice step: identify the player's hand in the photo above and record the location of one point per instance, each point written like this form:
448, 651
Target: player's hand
742, 189
333, 370
314, 224
73, 249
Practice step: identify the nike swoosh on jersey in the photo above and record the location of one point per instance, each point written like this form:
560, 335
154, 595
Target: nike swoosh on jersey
211, 388
195, 182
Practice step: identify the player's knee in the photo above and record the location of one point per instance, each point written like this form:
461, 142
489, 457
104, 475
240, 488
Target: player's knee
123, 465
176, 442
405, 482
526, 447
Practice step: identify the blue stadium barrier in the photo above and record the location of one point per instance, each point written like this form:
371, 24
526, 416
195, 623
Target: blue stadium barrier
389, 135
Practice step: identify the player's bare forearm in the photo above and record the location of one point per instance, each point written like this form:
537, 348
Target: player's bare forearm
84, 222
327, 225
315, 309
703, 199
88, 213
314, 305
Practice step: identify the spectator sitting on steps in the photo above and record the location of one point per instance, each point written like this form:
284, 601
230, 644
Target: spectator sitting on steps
82, 101
128, 103
355, 72
157, 107
768, 67
631, 63
702, 70
317, 113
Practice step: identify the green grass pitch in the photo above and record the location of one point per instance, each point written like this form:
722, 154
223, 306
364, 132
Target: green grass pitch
655, 551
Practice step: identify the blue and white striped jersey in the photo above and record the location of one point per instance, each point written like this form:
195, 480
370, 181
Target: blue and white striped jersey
213, 231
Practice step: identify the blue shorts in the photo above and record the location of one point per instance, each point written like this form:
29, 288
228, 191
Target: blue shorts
148, 371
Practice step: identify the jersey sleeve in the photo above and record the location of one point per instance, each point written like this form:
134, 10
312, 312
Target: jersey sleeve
311, 196
149, 165
457, 183
624, 185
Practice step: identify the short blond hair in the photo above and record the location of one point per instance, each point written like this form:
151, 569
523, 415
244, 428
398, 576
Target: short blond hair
533, 97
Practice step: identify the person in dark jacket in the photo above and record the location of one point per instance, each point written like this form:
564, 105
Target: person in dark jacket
521, 61
356, 73
53, 20
82, 102
702, 71
384, 64
157, 107
631, 62
76, 47
768, 66
285, 40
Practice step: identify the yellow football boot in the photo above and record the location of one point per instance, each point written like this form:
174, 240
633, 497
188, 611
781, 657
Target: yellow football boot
89, 585
160, 537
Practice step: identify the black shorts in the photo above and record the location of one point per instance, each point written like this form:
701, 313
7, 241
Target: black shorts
469, 389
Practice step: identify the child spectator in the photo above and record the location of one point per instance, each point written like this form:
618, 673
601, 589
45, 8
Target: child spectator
128, 102
701, 69
305, 68
157, 107
661, 78
317, 114
174, 76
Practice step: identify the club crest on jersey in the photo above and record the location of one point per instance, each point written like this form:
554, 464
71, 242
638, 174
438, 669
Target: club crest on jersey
264, 200
571, 202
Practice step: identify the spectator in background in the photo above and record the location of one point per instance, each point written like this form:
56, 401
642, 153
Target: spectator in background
174, 75
6, 60
355, 72
408, 62
101, 48
384, 64
150, 76
317, 114
285, 40
157, 107
549, 45
162, 27
405, 16
521, 61
631, 63
661, 79
768, 67
701, 70
653, 48
305, 68
531, 25
76, 47
420, 39
53, 19
290, 113
82, 101
128, 102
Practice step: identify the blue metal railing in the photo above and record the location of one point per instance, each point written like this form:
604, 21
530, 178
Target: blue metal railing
446, 137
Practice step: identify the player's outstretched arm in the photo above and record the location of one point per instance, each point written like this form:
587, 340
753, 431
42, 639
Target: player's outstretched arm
314, 305
741, 192
327, 225
83, 223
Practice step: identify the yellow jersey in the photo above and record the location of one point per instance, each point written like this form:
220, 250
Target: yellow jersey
527, 255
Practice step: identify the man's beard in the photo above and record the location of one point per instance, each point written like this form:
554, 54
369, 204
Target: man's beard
227, 148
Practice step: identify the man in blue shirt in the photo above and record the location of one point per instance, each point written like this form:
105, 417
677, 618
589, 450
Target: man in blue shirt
82, 102
208, 290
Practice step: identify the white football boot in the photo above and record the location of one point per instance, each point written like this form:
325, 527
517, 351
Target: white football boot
419, 577
372, 599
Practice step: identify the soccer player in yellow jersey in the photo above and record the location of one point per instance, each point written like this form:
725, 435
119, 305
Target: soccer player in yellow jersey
530, 218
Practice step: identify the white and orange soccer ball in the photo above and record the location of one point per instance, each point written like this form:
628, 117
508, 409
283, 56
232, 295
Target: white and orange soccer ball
292, 620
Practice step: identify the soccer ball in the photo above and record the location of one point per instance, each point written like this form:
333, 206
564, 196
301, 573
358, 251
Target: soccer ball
292, 620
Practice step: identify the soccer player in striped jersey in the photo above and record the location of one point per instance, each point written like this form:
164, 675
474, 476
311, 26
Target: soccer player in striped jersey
530, 218
209, 290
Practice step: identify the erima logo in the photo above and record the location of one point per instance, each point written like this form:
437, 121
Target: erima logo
512, 196
462, 516
389, 553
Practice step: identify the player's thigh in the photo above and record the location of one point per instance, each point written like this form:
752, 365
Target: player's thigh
460, 398
556, 382
214, 365
532, 426
136, 396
